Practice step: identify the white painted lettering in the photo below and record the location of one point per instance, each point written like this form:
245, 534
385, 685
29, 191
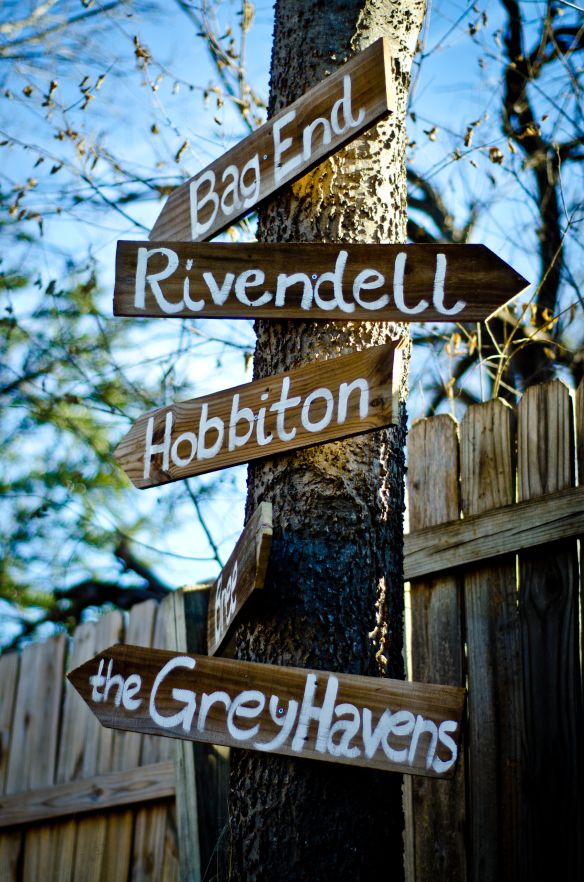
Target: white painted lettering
185, 715
153, 279
207, 702
439, 765
345, 390
336, 278
237, 414
348, 729
97, 681
230, 191
284, 719
280, 407
132, 685
216, 425
372, 739
251, 279
248, 705
286, 281
401, 724
438, 292
344, 105
323, 422
309, 711
308, 133
208, 177
423, 727
369, 280
185, 438
398, 288
219, 295
250, 191
281, 171
150, 449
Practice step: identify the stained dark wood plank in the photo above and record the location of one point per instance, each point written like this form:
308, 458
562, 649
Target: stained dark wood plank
117, 789
310, 405
311, 281
549, 617
290, 144
435, 822
493, 654
271, 708
243, 573
494, 533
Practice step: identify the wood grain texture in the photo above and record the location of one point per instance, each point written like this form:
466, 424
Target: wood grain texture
494, 533
243, 573
410, 753
37, 722
117, 789
371, 91
378, 367
549, 618
10, 843
126, 750
436, 820
354, 282
493, 654
211, 761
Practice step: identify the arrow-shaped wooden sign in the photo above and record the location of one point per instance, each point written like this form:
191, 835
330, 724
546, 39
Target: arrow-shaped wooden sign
320, 402
294, 141
363, 721
403, 283
242, 574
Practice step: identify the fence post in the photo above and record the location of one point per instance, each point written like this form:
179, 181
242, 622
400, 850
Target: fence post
435, 810
494, 654
549, 620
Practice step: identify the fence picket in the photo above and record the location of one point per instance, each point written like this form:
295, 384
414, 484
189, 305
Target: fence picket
549, 616
494, 655
10, 842
435, 809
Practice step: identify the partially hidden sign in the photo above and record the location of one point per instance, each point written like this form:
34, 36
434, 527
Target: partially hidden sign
287, 146
403, 283
363, 721
242, 574
322, 401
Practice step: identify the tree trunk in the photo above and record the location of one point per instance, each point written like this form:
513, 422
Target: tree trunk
334, 593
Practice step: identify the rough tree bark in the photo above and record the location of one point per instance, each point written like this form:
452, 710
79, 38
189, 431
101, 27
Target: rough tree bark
333, 599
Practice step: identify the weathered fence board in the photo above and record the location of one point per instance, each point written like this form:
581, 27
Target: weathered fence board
521, 635
493, 652
548, 585
435, 845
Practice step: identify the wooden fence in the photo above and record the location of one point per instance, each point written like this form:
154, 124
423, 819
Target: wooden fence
83, 803
492, 559
495, 513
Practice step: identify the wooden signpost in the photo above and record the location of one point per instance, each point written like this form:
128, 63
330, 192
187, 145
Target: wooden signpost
320, 402
364, 721
294, 141
242, 574
317, 281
